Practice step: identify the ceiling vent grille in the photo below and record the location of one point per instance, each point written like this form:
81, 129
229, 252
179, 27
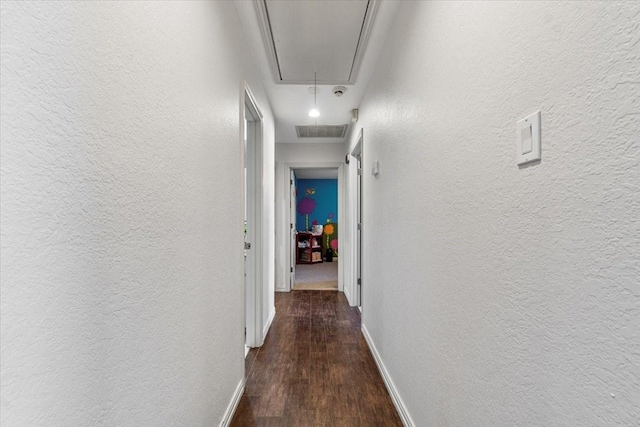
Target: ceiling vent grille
321, 131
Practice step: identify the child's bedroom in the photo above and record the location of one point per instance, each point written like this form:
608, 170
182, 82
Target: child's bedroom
316, 225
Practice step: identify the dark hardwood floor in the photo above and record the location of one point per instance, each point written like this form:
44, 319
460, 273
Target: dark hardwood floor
314, 369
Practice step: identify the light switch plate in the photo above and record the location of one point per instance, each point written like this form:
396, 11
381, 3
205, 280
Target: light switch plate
529, 140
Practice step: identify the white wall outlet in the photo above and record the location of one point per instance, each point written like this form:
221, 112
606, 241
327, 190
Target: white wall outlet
529, 140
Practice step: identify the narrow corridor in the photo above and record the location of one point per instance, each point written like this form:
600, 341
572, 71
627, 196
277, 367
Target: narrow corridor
314, 369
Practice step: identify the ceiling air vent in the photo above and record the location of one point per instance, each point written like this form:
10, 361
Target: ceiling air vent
321, 131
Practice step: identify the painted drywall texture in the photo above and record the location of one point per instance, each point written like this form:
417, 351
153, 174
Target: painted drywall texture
121, 263
506, 296
268, 196
269, 211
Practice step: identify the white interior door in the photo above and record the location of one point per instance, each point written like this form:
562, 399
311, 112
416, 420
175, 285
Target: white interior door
359, 233
357, 230
249, 233
245, 208
254, 293
292, 227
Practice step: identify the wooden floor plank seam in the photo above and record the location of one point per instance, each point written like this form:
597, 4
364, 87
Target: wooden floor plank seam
314, 369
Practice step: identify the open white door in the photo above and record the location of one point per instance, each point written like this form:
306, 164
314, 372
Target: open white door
247, 281
292, 216
355, 169
359, 233
249, 232
253, 295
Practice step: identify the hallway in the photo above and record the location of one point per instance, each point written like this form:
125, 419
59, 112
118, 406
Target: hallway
487, 158
314, 369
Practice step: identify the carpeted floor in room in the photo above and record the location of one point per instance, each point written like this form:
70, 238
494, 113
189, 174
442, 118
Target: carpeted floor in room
320, 276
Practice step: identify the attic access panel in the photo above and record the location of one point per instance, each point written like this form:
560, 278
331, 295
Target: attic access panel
326, 37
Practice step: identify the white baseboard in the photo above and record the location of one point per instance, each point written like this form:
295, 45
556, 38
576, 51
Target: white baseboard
231, 409
348, 295
268, 324
283, 290
395, 396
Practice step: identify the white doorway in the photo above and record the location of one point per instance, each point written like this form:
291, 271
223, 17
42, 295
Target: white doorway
293, 171
316, 239
252, 154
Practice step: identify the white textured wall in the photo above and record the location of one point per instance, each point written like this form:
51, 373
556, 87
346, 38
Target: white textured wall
307, 153
121, 212
268, 209
500, 296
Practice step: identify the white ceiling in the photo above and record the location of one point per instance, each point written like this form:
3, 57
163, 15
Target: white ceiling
321, 35
319, 173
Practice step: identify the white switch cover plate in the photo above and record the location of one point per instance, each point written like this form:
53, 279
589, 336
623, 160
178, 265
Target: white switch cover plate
529, 139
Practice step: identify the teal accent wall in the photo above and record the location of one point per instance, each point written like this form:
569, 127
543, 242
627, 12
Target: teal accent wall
326, 198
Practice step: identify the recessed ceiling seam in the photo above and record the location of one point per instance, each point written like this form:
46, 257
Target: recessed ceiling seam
273, 40
355, 55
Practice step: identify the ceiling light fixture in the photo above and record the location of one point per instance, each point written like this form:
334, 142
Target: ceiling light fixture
314, 111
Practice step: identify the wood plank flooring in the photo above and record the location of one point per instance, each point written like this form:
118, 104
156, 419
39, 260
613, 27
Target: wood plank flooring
314, 369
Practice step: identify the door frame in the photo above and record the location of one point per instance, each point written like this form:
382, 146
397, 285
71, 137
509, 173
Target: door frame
293, 191
357, 233
252, 291
356, 184
288, 167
